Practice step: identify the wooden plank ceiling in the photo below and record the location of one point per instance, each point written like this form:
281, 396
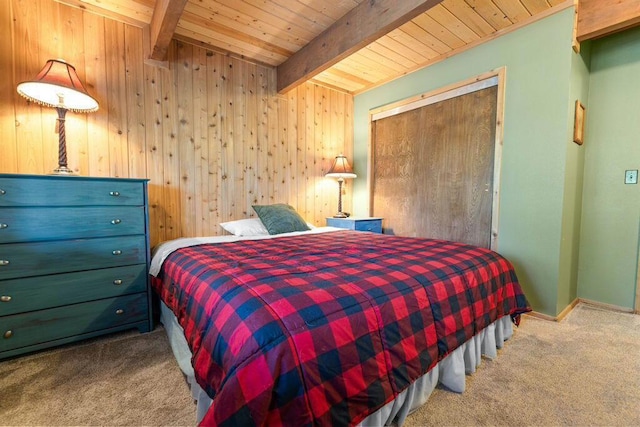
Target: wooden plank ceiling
272, 31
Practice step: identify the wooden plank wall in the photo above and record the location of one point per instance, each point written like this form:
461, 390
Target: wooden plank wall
210, 131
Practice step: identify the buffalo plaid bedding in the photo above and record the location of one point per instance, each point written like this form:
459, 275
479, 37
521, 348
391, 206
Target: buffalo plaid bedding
326, 328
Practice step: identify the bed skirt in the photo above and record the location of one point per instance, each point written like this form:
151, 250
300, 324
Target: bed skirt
450, 372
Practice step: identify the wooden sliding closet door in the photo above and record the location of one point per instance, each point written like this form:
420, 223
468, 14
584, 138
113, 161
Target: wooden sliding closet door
432, 169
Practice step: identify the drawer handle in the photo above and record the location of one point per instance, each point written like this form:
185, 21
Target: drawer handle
114, 193
116, 221
4, 262
8, 334
116, 252
5, 298
3, 226
2, 192
117, 282
119, 311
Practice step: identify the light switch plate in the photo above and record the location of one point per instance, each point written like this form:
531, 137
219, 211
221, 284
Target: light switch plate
631, 176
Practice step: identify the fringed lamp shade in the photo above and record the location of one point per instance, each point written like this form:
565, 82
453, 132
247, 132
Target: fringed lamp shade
57, 86
341, 170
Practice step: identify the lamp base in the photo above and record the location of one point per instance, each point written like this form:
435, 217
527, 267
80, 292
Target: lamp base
341, 215
62, 170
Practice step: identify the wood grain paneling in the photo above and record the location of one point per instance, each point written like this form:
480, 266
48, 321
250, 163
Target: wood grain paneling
210, 131
433, 169
598, 18
8, 113
271, 32
353, 31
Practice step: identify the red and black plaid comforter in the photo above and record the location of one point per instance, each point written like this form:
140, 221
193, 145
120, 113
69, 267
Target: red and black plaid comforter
326, 328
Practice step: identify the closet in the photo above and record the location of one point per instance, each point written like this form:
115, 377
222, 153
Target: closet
433, 164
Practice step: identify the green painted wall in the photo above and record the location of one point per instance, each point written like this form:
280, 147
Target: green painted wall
573, 184
611, 209
539, 88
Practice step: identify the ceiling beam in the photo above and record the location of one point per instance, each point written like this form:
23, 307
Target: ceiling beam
597, 18
163, 24
365, 23
135, 18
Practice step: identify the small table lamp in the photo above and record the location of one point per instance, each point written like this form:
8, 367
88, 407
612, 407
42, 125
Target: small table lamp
57, 86
341, 170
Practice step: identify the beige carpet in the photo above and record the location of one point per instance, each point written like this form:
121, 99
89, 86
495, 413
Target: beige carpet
582, 371
125, 380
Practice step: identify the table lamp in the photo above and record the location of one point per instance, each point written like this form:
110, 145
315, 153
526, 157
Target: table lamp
57, 86
341, 170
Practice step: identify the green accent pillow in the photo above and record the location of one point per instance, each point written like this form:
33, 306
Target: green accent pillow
280, 218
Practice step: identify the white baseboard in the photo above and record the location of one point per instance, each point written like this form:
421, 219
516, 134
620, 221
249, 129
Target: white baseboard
577, 301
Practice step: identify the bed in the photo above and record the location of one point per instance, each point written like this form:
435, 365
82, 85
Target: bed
329, 326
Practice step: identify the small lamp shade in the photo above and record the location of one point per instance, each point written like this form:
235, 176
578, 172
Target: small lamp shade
57, 86
341, 169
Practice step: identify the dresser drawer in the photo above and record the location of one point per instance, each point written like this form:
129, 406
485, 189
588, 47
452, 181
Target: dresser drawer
38, 224
69, 191
36, 293
22, 330
41, 258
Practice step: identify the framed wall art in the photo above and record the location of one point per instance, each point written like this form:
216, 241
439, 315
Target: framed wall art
578, 124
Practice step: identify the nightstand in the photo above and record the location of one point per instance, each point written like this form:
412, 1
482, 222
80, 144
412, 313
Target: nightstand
373, 225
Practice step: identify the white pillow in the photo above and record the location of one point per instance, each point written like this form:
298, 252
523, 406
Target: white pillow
245, 227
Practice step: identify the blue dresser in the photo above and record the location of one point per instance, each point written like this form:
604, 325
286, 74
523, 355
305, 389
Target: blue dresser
373, 225
74, 255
